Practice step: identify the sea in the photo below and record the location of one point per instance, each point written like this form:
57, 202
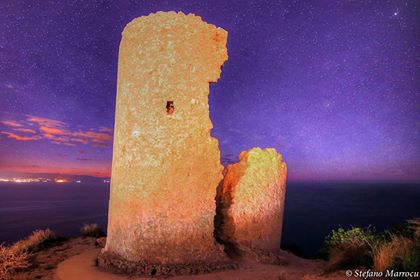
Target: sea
312, 210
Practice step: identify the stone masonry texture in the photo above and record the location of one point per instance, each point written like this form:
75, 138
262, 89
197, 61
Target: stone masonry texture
251, 201
166, 166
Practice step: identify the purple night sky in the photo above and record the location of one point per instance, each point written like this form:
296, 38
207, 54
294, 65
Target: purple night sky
332, 85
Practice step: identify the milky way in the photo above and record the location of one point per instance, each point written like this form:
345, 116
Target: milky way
332, 85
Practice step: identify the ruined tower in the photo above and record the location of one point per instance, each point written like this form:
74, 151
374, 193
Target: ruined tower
166, 166
251, 205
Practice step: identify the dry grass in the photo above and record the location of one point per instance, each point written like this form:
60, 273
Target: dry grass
346, 256
397, 250
12, 261
37, 241
18, 256
91, 230
383, 258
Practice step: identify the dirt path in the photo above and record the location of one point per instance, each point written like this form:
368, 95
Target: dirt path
45, 262
75, 260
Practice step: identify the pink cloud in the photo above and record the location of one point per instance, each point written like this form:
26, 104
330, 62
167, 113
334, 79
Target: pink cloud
97, 137
70, 144
53, 131
101, 170
45, 121
11, 123
25, 130
20, 138
106, 129
58, 132
80, 140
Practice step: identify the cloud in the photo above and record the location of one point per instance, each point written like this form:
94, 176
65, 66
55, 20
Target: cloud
62, 139
20, 138
45, 122
48, 168
56, 131
97, 137
70, 144
11, 123
25, 130
106, 129
53, 131
60, 133
80, 140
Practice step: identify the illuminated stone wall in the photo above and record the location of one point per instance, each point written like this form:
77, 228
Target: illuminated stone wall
166, 166
252, 203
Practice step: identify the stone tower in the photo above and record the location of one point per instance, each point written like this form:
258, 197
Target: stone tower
166, 166
251, 204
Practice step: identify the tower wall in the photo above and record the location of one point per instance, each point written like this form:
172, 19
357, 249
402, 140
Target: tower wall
166, 166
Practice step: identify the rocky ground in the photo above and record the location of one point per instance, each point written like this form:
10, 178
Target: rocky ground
74, 259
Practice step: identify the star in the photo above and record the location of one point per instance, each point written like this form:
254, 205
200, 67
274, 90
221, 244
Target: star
396, 12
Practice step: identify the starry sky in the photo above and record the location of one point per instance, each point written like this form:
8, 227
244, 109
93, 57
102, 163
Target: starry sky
332, 85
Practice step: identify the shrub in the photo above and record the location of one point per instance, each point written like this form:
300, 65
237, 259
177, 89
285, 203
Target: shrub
414, 225
397, 249
100, 242
400, 253
411, 262
37, 241
350, 248
12, 261
355, 236
404, 229
91, 230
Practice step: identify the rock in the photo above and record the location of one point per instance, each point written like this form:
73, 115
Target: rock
166, 166
251, 202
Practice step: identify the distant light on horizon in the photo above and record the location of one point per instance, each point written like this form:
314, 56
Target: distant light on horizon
61, 181
48, 180
25, 180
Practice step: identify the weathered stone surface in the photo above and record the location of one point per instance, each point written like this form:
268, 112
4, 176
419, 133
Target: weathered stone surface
251, 200
166, 166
